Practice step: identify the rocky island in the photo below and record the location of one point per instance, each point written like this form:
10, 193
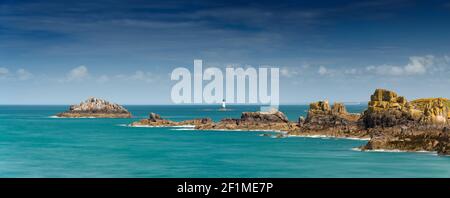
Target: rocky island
390, 123
95, 108
396, 124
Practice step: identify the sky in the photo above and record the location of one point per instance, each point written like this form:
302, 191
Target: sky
60, 52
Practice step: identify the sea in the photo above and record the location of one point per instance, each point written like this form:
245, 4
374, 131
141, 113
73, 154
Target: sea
34, 143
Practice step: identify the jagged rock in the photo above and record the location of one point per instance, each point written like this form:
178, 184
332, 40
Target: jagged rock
320, 107
196, 122
398, 138
386, 109
331, 121
156, 120
153, 120
272, 120
323, 107
95, 107
339, 108
396, 123
435, 110
301, 121
154, 117
320, 115
274, 116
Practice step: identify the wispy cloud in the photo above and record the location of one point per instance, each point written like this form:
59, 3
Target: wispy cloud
103, 79
4, 72
21, 74
139, 75
77, 74
417, 65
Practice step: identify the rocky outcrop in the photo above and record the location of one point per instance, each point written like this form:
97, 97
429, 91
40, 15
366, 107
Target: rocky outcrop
330, 121
395, 123
272, 120
390, 121
273, 116
387, 109
156, 121
406, 139
97, 108
433, 110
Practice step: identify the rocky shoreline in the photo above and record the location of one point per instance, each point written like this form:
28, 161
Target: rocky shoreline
95, 108
390, 122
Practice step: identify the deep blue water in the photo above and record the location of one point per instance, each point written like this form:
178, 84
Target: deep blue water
32, 144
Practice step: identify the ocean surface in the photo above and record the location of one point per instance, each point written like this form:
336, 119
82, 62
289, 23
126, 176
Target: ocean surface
34, 144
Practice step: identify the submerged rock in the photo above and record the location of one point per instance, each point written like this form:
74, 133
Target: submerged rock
98, 108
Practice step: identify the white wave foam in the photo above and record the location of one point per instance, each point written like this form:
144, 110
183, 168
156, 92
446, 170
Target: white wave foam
184, 129
184, 126
72, 118
245, 130
329, 137
54, 117
394, 151
149, 126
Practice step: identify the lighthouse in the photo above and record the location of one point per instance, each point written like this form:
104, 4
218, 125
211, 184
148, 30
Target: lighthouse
223, 104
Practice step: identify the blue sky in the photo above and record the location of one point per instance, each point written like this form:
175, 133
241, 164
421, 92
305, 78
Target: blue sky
55, 52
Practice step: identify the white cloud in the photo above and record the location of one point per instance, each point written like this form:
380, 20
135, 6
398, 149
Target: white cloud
3, 72
323, 71
351, 71
293, 71
78, 73
417, 65
103, 79
143, 76
287, 72
20, 74
23, 74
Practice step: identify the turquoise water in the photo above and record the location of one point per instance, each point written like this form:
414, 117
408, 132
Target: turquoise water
32, 144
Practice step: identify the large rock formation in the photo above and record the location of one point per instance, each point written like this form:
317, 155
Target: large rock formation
97, 108
434, 110
395, 123
386, 109
331, 121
